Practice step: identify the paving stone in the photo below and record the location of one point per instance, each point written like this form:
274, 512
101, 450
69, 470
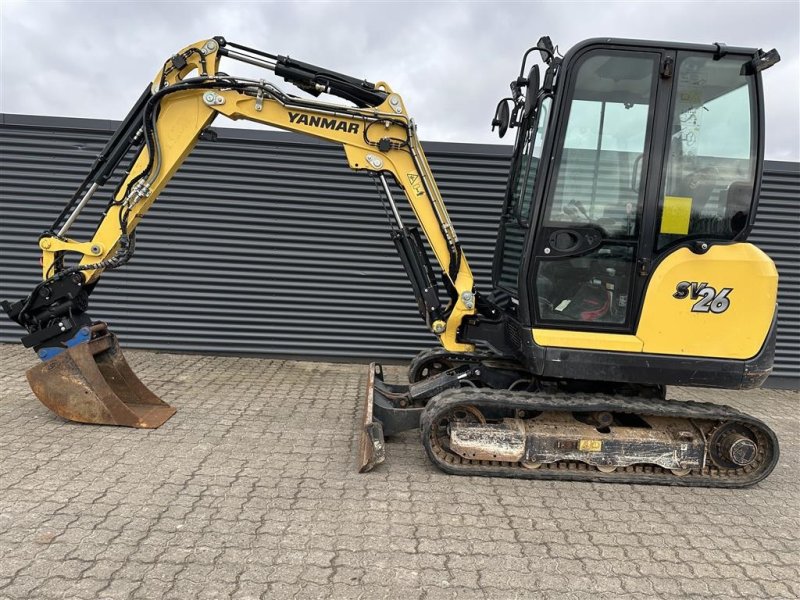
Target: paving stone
250, 492
20, 587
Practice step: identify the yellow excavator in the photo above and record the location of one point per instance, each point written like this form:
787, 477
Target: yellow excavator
621, 264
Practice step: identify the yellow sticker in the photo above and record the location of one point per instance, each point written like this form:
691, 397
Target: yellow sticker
675, 218
590, 445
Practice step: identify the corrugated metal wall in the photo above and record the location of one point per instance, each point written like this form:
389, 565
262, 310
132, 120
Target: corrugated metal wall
777, 232
267, 243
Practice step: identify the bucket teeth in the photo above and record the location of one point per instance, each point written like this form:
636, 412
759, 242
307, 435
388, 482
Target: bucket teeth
93, 383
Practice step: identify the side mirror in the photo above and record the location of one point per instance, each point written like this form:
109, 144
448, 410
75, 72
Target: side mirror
502, 117
532, 92
546, 48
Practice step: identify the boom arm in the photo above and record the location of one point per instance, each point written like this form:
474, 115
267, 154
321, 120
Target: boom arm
377, 135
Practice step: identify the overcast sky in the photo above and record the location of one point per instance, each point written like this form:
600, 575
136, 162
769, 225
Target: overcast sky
451, 62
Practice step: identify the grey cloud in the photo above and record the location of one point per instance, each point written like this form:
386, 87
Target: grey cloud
450, 61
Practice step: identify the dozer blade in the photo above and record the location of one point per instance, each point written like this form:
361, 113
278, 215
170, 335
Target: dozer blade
92, 383
371, 445
387, 411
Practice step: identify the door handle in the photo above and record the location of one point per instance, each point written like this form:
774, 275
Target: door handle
564, 241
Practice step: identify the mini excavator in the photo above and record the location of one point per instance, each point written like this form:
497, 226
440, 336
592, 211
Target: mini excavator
621, 264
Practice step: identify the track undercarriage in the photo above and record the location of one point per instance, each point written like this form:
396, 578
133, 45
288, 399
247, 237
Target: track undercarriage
479, 416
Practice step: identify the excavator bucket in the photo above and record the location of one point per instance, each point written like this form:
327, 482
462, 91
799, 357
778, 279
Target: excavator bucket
91, 382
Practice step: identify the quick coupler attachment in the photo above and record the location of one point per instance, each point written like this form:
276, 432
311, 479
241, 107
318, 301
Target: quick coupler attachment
387, 411
90, 381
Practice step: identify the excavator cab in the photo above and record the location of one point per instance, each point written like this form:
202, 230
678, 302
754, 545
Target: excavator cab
651, 148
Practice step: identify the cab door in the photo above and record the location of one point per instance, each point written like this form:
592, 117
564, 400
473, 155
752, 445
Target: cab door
590, 252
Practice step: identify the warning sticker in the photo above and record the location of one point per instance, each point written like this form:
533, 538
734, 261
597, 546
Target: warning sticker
416, 184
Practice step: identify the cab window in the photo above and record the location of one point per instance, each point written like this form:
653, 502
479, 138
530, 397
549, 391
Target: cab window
604, 144
529, 165
517, 217
710, 171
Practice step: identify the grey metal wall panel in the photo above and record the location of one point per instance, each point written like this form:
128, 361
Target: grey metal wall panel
267, 243
777, 232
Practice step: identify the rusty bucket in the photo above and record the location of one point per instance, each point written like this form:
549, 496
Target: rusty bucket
93, 383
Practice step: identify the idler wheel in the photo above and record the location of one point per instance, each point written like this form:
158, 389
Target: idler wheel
733, 446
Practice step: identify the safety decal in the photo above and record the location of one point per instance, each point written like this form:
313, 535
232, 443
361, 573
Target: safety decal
708, 299
416, 184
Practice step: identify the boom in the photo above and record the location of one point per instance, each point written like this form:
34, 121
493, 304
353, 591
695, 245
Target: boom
183, 100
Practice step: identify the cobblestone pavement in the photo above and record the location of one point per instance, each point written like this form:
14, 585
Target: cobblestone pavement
250, 491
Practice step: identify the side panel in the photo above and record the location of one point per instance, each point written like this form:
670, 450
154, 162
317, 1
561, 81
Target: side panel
587, 340
714, 305
718, 304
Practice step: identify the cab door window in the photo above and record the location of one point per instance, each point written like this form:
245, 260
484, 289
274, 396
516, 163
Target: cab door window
603, 145
710, 172
589, 236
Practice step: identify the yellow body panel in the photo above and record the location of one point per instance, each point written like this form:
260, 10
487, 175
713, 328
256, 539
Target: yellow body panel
587, 340
669, 325
732, 324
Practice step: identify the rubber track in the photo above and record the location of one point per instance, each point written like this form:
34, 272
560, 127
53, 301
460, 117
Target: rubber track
710, 476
